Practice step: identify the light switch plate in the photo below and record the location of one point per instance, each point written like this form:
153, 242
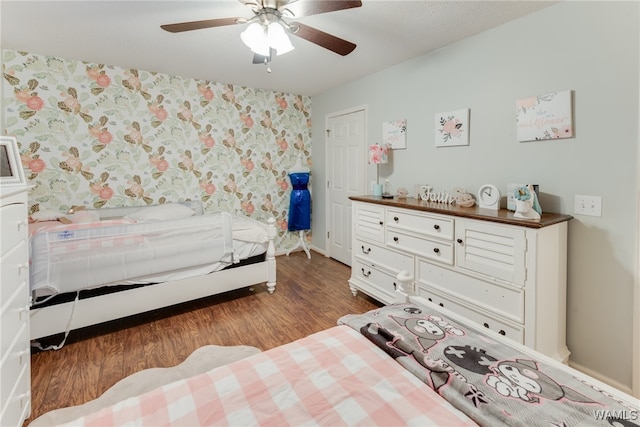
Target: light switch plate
588, 205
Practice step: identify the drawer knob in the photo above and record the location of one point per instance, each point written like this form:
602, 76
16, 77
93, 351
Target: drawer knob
436, 250
459, 241
502, 332
396, 239
396, 219
366, 273
366, 251
430, 300
486, 325
436, 226
381, 222
395, 286
441, 305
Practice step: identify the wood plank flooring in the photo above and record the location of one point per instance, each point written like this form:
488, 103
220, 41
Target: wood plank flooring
310, 296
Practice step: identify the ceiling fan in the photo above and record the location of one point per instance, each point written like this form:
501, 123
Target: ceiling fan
267, 30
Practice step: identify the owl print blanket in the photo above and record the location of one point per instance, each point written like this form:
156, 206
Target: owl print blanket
492, 383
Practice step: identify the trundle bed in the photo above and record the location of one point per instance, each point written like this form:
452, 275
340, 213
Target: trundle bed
125, 261
408, 363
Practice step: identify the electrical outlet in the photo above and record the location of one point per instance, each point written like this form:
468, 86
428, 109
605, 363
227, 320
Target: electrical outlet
588, 205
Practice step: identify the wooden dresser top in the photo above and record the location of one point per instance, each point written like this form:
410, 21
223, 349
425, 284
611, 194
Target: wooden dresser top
502, 216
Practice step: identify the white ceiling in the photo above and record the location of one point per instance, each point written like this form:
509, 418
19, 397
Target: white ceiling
127, 34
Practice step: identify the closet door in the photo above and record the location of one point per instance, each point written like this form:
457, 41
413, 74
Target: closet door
345, 177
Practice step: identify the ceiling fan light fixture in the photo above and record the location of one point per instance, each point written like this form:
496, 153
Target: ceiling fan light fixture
278, 38
256, 39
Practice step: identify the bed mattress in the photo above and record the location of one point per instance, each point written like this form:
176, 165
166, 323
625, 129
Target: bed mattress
331, 378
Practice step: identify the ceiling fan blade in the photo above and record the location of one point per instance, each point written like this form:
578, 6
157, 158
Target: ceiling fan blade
197, 25
326, 40
315, 7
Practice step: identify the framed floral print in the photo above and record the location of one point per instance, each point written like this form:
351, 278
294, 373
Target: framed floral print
548, 116
452, 128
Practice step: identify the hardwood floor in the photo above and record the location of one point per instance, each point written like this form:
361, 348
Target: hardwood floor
310, 296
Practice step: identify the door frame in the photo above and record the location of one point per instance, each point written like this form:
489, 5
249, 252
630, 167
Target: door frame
635, 328
327, 213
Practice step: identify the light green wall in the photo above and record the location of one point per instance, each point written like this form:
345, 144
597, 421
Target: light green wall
588, 47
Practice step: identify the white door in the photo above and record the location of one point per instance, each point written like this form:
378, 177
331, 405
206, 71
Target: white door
346, 163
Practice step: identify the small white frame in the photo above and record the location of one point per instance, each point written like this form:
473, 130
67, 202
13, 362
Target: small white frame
457, 136
11, 171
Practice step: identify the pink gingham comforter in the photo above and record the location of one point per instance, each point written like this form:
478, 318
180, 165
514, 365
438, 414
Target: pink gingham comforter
331, 378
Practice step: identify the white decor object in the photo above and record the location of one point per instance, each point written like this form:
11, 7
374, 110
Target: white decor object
431, 196
402, 193
452, 128
463, 198
526, 201
489, 197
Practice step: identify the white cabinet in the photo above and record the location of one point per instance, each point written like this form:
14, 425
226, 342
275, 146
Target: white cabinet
15, 353
494, 250
504, 273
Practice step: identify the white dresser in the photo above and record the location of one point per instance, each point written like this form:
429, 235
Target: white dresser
505, 273
15, 354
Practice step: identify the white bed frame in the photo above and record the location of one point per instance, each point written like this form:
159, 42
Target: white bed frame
64, 317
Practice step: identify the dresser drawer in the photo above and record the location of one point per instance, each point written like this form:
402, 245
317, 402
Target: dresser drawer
14, 226
503, 327
382, 284
13, 361
422, 223
15, 312
18, 406
435, 250
504, 300
385, 258
14, 270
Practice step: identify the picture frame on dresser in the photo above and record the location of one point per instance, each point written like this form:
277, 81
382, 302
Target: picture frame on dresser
11, 172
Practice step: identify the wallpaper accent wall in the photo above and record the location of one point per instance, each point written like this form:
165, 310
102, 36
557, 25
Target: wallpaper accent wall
103, 136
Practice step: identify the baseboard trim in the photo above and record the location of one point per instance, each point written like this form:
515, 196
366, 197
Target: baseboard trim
615, 384
320, 251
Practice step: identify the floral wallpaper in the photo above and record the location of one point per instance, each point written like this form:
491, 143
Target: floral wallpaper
102, 136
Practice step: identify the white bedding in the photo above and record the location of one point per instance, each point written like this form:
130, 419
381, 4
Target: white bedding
69, 257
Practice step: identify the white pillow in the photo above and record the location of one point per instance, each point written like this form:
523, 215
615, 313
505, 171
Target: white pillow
164, 212
83, 216
46, 215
